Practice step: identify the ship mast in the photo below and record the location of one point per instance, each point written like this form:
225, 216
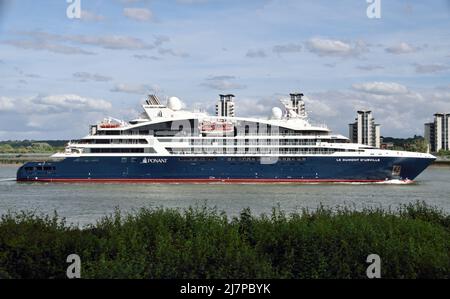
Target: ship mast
295, 106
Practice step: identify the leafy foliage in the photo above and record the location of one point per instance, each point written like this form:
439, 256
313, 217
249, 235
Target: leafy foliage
444, 153
27, 146
413, 144
413, 242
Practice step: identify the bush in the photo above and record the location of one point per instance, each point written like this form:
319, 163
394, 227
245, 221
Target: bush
413, 242
443, 153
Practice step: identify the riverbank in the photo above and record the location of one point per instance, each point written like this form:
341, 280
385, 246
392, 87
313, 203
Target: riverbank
17, 159
442, 161
413, 242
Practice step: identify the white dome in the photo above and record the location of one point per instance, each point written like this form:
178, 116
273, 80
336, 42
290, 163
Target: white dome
174, 103
277, 113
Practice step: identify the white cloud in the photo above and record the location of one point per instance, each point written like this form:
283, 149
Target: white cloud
288, 48
259, 53
431, 68
69, 102
141, 89
256, 106
319, 107
138, 14
191, 1
47, 116
40, 45
161, 39
223, 83
44, 40
222, 77
91, 16
45, 106
397, 111
381, 88
84, 76
6, 104
401, 48
130, 1
329, 47
370, 67
114, 42
146, 57
440, 95
172, 52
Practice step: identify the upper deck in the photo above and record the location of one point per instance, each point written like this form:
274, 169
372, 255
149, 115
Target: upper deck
169, 130
171, 120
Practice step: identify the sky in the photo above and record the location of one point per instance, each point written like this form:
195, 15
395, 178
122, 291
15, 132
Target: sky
58, 74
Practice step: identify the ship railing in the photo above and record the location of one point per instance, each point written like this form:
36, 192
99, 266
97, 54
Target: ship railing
241, 142
319, 125
255, 152
248, 134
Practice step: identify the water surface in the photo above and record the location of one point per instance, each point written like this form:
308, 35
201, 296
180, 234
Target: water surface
85, 203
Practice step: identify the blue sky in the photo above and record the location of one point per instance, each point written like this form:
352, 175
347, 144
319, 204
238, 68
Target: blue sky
58, 75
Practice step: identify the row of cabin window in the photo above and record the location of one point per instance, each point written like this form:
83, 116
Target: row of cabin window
40, 168
253, 142
120, 150
112, 141
257, 150
179, 132
238, 159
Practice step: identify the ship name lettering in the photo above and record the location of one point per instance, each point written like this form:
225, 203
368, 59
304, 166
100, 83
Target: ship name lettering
358, 160
154, 161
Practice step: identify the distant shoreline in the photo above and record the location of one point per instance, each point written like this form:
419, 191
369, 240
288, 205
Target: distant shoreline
16, 159
441, 163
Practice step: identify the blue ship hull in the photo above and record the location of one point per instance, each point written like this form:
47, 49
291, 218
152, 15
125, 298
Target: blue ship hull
224, 169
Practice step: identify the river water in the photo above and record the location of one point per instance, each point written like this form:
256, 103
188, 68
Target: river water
82, 204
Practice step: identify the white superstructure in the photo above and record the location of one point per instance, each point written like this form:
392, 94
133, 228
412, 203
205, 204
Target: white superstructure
168, 130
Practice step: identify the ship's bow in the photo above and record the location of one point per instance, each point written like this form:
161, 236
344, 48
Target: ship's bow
412, 167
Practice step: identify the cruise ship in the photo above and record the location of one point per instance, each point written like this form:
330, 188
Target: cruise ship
168, 144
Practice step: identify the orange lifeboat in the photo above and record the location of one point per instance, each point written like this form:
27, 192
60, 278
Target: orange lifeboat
109, 126
216, 127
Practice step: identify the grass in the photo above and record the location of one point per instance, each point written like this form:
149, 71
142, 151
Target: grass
412, 241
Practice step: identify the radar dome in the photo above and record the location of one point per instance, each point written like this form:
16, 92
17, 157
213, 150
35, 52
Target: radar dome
276, 113
174, 103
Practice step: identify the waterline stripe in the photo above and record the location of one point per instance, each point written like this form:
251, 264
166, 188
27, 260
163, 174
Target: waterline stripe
229, 181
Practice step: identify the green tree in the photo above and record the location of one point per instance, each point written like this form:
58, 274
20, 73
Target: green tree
444, 153
6, 149
418, 145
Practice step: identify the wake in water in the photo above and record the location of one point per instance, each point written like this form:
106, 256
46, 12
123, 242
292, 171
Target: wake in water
387, 182
397, 182
7, 180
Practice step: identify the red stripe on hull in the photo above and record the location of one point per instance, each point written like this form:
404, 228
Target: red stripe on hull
187, 181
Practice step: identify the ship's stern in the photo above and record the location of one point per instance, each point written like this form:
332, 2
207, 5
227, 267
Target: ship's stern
35, 171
